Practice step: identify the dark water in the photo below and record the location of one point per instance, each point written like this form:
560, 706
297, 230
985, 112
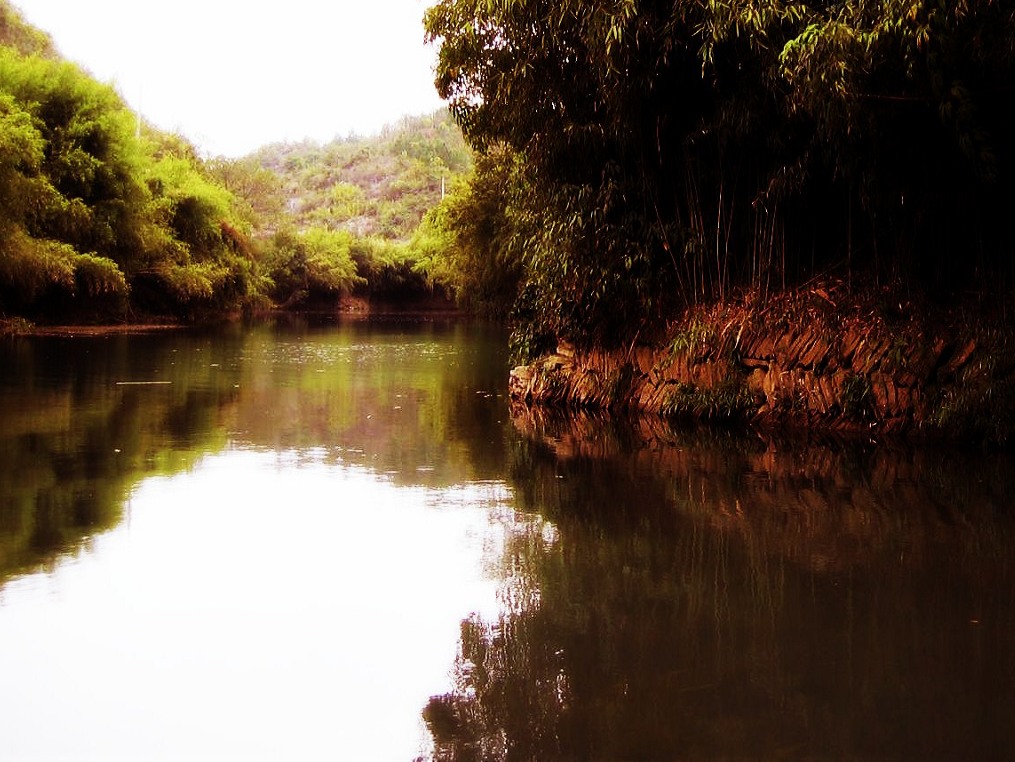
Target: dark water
336, 541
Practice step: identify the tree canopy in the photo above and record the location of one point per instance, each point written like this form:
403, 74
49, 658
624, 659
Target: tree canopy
678, 151
100, 213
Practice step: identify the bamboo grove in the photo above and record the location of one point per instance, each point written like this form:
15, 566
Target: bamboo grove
98, 213
643, 155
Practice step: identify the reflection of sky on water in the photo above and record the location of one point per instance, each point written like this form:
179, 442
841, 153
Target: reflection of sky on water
261, 606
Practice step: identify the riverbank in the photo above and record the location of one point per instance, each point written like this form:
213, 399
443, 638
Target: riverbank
347, 306
822, 358
23, 327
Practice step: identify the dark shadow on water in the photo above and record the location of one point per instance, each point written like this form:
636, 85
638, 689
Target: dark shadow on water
713, 595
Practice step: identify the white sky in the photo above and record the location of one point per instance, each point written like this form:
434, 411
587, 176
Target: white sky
233, 75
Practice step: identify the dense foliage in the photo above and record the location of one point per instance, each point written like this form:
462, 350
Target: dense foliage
662, 153
379, 186
468, 241
104, 218
372, 193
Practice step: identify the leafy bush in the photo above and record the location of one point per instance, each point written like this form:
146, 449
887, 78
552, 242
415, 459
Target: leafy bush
311, 267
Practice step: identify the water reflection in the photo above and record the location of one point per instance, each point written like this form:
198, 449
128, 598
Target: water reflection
249, 543
712, 596
261, 606
317, 540
82, 423
86, 418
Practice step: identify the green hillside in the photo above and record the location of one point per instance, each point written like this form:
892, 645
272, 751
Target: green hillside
23, 37
104, 218
353, 216
371, 186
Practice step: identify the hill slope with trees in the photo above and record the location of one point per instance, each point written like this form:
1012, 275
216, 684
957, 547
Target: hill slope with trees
105, 218
370, 195
378, 186
102, 216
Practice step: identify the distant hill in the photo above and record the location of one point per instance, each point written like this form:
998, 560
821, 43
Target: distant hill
378, 186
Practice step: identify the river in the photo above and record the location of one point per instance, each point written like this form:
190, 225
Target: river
335, 539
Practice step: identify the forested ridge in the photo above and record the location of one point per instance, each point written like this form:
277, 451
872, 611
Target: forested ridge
372, 199
101, 215
637, 157
373, 193
104, 218
381, 185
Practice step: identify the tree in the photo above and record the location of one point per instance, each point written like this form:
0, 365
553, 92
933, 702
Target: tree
465, 242
312, 266
96, 221
676, 152
260, 200
66, 196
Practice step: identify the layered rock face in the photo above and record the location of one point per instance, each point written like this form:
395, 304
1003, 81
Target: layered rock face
804, 359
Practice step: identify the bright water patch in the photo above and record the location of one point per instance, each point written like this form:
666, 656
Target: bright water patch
261, 606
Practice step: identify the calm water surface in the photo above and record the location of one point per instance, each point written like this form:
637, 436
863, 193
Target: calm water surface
335, 540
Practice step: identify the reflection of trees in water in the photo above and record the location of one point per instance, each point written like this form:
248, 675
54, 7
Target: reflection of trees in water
413, 400
475, 721
717, 597
76, 439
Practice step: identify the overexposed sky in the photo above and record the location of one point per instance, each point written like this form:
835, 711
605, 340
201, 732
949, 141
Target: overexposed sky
233, 75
